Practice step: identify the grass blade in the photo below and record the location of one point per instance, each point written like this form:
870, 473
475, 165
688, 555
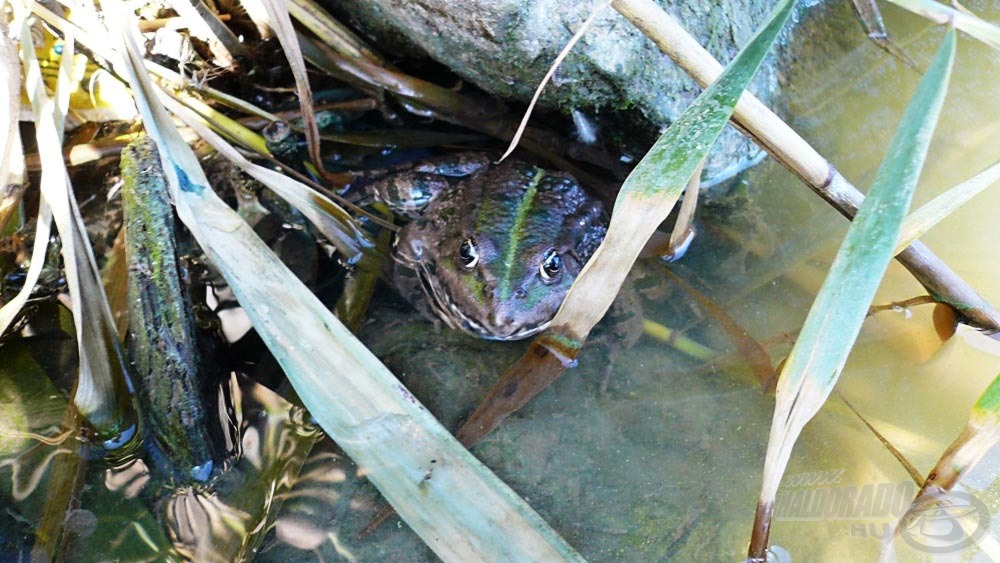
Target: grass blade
645, 200
12, 178
100, 395
835, 319
43, 230
962, 20
329, 218
449, 498
281, 24
225, 125
330, 31
933, 212
11, 157
981, 433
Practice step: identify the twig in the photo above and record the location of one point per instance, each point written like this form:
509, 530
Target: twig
793, 152
548, 76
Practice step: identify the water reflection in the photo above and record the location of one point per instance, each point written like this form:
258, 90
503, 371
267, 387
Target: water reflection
665, 460
660, 459
85, 505
127, 479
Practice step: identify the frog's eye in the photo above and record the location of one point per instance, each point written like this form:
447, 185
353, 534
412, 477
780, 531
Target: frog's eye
468, 254
551, 266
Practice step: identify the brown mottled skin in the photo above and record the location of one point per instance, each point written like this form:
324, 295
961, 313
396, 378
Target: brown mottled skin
491, 248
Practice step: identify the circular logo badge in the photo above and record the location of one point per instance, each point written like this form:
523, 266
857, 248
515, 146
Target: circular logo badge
945, 522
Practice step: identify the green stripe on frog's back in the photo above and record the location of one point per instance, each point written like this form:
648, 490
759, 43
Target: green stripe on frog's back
505, 227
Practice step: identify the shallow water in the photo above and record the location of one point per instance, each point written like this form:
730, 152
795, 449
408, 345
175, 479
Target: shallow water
661, 457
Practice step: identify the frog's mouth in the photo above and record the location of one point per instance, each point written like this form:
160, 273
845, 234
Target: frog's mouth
448, 311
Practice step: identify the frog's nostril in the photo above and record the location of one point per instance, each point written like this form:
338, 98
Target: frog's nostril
500, 319
520, 293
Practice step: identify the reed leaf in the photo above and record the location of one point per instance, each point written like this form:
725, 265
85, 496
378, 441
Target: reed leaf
981, 433
448, 498
834, 321
281, 24
100, 394
646, 198
12, 178
651, 190
329, 218
225, 125
933, 212
792, 151
11, 157
949, 15
331, 32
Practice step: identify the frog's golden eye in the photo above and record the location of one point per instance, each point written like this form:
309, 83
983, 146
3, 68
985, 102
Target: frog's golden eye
551, 266
468, 254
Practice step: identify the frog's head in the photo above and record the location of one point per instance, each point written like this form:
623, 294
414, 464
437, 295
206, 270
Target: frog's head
497, 259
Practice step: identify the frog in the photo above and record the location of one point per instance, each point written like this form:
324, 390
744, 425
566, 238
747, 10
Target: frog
489, 248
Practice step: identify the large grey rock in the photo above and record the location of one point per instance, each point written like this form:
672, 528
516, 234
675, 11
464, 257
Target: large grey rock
506, 46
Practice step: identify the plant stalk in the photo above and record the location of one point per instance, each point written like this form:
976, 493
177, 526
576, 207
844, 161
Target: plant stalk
794, 153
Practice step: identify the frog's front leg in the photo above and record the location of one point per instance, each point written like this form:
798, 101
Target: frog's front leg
620, 329
408, 192
407, 282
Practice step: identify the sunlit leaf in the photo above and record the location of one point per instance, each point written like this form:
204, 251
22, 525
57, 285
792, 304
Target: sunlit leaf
328, 217
646, 198
949, 15
981, 433
933, 212
12, 178
834, 321
100, 393
226, 125
448, 497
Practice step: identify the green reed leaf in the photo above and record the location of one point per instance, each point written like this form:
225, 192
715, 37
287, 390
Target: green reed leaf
459, 508
836, 316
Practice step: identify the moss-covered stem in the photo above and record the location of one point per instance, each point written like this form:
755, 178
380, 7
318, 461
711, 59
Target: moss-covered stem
162, 347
